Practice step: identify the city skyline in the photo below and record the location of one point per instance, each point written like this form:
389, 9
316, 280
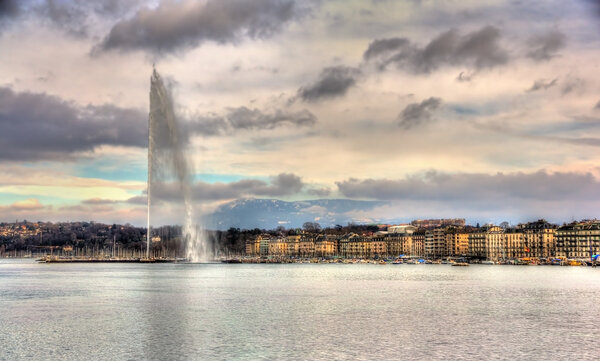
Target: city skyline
488, 110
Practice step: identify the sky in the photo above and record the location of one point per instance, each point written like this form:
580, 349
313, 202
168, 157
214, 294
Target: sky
487, 110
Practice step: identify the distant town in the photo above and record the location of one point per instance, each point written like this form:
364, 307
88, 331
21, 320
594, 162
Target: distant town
438, 240
431, 240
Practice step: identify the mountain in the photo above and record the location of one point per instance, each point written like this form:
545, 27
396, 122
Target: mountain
271, 213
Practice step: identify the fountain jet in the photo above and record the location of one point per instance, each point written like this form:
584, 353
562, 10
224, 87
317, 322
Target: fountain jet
167, 161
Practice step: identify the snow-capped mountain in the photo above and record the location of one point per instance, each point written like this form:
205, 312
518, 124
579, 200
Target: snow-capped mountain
270, 213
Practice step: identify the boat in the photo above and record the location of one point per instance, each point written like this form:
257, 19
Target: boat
487, 262
460, 264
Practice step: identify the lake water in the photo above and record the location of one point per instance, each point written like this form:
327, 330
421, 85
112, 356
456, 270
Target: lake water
297, 312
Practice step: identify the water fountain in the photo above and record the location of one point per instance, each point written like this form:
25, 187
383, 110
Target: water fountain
168, 162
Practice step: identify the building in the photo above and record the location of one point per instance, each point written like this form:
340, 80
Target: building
278, 247
401, 229
263, 245
417, 247
253, 245
457, 242
354, 246
578, 240
326, 246
428, 243
306, 246
399, 244
438, 223
513, 246
293, 245
539, 238
486, 243
378, 247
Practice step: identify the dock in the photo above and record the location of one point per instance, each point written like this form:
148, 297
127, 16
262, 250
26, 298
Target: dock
49, 259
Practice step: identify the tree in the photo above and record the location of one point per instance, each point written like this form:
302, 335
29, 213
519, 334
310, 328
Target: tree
311, 226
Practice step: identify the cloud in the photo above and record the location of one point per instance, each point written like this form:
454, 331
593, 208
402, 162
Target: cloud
139, 200
74, 17
384, 46
238, 118
319, 192
26, 205
595, 5
244, 118
65, 15
542, 84
37, 126
545, 46
478, 187
572, 84
333, 82
597, 106
478, 49
284, 184
26, 208
98, 201
418, 113
9, 8
181, 25
464, 77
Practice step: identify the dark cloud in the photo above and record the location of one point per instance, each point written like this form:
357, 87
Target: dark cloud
384, 46
246, 118
333, 82
597, 107
572, 85
284, 184
37, 126
139, 200
186, 24
69, 16
595, 6
74, 17
9, 8
319, 192
435, 186
464, 77
417, 113
479, 49
542, 84
545, 46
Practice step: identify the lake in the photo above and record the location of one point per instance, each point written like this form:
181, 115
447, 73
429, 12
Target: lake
296, 312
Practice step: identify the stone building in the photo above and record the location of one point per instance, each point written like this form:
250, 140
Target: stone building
577, 240
326, 246
486, 243
539, 238
457, 242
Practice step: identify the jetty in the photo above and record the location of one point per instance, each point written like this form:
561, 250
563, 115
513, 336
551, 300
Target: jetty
53, 259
